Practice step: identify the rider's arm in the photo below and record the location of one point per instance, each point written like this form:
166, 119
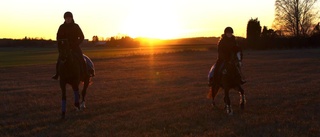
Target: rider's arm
59, 33
80, 36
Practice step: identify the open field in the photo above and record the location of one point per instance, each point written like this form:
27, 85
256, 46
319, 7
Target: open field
22, 56
165, 95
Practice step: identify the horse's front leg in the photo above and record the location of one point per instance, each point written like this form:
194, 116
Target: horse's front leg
63, 99
227, 101
242, 98
75, 88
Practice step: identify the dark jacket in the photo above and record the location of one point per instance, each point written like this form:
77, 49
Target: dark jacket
227, 49
72, 33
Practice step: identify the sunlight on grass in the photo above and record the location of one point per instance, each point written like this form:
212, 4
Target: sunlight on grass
27, 56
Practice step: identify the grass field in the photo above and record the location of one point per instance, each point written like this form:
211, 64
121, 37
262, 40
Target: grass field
22, 56
164, 94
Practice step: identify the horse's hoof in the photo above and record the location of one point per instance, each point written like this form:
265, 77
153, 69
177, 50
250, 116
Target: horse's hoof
229, 110
77, 108
213, 106
63, 115
83, 106
242, 106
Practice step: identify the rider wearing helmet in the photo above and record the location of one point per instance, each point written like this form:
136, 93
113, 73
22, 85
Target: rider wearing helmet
71, 32
228, 51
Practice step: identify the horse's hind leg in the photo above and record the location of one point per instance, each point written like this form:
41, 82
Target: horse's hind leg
84, 92
63, 100
242, 98
227, 102
214, 90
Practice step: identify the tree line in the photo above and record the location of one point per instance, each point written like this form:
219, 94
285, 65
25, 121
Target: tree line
123, 41
296, 25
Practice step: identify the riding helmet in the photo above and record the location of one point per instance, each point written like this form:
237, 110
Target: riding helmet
68, 14
228, 30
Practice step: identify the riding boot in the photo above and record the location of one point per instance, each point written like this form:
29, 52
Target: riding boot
56, 76
240, 75
243, 81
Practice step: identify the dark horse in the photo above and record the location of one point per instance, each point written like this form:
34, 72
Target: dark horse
229, 79
70, 73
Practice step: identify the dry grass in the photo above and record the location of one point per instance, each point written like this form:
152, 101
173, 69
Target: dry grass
165, 95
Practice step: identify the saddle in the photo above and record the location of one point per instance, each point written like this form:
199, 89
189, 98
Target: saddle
90, 65
230, 71
212, 75
64, 51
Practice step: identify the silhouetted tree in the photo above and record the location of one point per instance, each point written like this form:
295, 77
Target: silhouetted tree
316, 29
124, 41
267, 38
268, 32
315, 37
253, 32
95, 39
295, 17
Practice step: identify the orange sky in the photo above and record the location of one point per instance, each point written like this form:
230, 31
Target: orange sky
138, 18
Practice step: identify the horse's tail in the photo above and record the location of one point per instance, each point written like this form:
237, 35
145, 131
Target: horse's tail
209, 94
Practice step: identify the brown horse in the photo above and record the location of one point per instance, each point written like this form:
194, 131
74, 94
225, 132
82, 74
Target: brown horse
229, 80
70, 73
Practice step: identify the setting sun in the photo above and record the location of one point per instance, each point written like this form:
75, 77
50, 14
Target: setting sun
159, 21
165, 19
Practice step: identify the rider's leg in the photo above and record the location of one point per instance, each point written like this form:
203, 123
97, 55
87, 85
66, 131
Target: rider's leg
240, 75
56, 76
216, 72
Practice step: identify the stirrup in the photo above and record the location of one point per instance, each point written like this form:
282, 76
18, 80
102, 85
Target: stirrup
55, 77
243, 82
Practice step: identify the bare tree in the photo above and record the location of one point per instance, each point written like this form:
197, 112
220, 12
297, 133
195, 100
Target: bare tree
295, 17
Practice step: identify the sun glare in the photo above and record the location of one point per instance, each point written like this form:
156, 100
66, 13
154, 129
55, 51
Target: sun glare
158, 21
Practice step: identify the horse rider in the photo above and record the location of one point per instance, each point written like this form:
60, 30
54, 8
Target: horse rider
228, 51
71, 32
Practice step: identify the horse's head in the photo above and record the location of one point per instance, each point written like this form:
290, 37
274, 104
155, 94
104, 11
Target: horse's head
69, 66
64, 49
